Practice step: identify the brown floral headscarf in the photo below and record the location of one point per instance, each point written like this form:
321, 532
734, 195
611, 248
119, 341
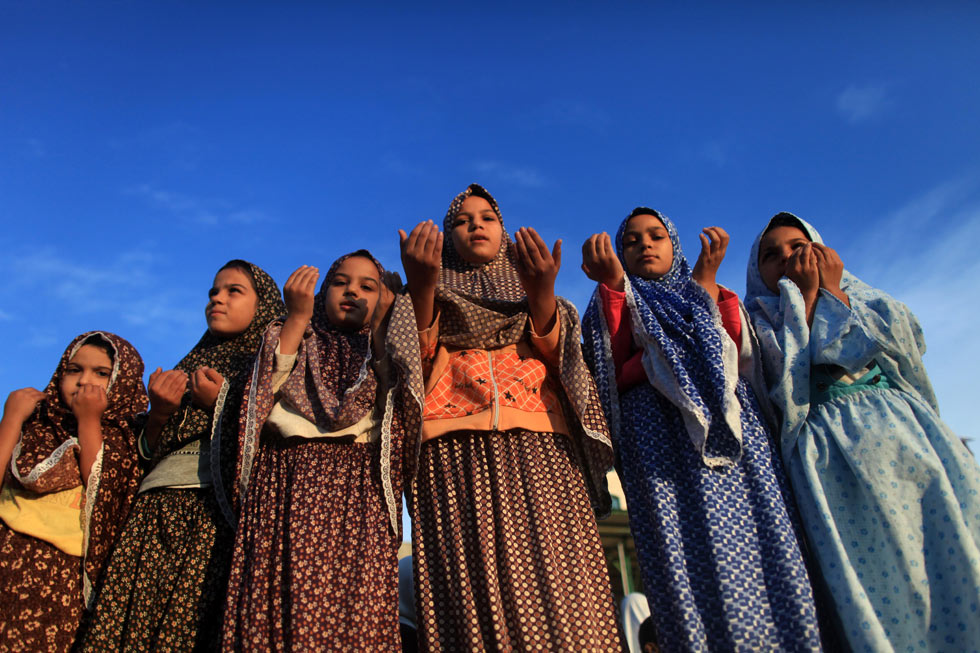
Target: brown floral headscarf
332, 383
46, 458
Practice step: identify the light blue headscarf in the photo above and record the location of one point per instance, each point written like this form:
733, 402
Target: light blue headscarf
848, 337
687, 355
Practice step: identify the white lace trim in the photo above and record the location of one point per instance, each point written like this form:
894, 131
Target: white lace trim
389, 491
248, 442
42, 467
215, 444
91, 493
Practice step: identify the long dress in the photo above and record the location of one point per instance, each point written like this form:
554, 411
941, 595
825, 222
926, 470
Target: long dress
709, 509
166, 579
55, 533
506, 550
315, 562
889, 496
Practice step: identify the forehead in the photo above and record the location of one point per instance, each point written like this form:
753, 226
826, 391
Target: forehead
91, 355
782, 234
644, 222
474, 204
358, 266
232, 276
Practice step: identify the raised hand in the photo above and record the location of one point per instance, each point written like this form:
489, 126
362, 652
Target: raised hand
831, 271
801, 269
299, 294
205, 385
600, 263
299, 291
714, 244
537, 266
20, 404
89, 403
166, 389
422, 260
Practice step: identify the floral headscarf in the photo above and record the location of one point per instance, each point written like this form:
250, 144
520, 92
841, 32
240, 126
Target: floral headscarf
45, 458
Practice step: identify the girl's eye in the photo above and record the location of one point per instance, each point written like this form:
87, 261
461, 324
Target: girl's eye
212, 292
72, 369
103, 373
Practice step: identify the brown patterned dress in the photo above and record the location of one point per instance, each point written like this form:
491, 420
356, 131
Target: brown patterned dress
45, 589
166, 579
507, 551
315, 564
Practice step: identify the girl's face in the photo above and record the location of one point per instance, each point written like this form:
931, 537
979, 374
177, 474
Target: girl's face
774, 249
647, 247
90, 365
231, 304
353, 293
477, 231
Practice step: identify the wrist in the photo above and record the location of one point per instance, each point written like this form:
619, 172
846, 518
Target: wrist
89, 420
159, 415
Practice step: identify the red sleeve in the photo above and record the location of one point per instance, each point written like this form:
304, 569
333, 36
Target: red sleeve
731, 318
617, 315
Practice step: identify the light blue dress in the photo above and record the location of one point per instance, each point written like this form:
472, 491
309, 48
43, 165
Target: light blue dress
887, 493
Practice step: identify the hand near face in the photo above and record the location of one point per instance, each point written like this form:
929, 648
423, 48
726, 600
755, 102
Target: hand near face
391, 283
422, 255
205, 386
299, 292
830, 265
20, 404
600, 263
714, 243
166, 389
536, 265
801, 269
89, 403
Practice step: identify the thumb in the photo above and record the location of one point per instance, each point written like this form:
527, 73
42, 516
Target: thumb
212, 375
402, 236
556, 253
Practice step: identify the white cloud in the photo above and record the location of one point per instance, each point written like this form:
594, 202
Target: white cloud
199, 211
517, 175
859, 103
924, 254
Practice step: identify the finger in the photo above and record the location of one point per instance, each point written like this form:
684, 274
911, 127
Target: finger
155, 374
705, 243
537, 242
607, 246
310, 278
522, 252
556, 254
589, 246
402, 237
212, 375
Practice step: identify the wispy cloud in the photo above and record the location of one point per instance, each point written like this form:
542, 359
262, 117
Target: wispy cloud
517, 175
924, 254
126, 286
860, 103
197, 210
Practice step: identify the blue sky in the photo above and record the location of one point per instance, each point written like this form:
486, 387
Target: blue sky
144, 144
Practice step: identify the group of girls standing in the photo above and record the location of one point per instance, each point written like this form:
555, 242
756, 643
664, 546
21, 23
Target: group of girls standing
790, 484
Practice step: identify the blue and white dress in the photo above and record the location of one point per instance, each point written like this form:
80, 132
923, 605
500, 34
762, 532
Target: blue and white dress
888, 495
720, 558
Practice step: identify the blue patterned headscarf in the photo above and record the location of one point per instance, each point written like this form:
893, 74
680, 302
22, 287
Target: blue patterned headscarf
838, 334
687, 355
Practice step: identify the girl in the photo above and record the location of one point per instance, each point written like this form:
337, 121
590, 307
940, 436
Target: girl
73, 475
888, 495
167, 576
507, 553
673, 356
315, 565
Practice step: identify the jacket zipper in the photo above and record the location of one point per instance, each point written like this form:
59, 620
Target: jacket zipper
495, 407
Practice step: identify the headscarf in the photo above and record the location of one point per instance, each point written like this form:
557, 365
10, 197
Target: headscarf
194, 427
332, 384
45, 458
484, 307
870, 330
687, 355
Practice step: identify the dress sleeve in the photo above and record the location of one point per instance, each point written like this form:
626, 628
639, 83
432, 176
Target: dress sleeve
838, 336
547, 344
281, 368
731, 317
428, 344
617, 315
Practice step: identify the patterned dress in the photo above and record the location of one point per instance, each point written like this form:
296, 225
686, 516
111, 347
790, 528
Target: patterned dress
506, 549
722, 566
890, 498
166, 580
315, 564
45, 588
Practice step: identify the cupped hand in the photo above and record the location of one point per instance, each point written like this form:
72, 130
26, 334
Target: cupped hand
600, 263
300, 290
205, 386
166, 389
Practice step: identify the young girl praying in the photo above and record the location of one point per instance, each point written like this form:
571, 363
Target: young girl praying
73, 473
674, 361
166, 580
889, 497
315, 564
513, 445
